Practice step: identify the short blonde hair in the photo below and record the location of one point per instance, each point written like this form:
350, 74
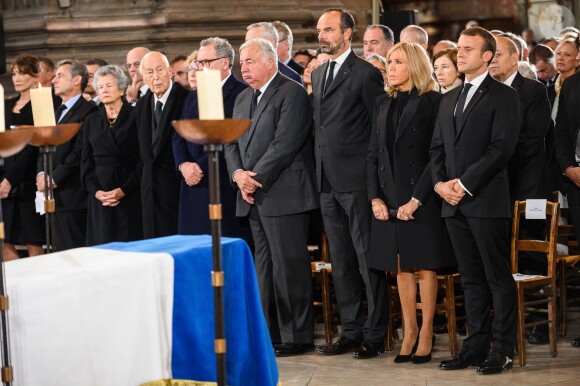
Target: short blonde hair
191, 58
418, 66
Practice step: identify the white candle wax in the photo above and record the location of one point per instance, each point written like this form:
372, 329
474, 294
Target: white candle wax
209, 94
42, 106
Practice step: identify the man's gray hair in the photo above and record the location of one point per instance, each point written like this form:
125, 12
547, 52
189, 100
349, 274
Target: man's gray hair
266, 48
267, 31
420, 34
223, 48
116, 71
76, 69
378, 58
284, 32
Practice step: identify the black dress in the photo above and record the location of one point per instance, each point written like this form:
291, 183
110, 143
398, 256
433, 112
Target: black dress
110, 160
398, 169
22, 224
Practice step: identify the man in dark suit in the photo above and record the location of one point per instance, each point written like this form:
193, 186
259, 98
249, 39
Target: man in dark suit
191, 159
70, 198
568, 148
528, 166
285, 42
343, 110
476, 133
272, 167
267, 31
154, 112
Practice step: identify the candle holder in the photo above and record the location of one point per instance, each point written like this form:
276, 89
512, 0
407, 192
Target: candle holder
212, 134
11, 142
46, 138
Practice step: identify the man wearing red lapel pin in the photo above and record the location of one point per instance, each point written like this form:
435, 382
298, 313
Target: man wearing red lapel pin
343, 95
475, 136
272, 168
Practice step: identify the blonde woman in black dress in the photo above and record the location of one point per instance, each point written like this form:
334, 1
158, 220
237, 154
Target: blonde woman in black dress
410, 239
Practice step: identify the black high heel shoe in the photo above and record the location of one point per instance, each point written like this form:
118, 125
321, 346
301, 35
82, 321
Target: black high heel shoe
418, 359
409, 357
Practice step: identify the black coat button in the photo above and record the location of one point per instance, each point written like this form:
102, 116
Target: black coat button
382, 185
380, 149
411, 146
411, 164
412, 181
382, 167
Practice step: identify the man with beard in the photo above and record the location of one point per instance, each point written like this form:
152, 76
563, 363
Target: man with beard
344, 90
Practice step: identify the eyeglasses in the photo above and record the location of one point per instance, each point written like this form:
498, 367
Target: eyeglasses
207, 62
190, 69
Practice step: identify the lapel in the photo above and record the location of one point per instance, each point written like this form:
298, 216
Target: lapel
517, 83
228, 86
166, 116
341, 75
71, 111
479, 93
145, 121
268, 94
382, 118
408, 113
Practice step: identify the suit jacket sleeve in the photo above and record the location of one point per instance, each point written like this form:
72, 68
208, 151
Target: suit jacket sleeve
373, 190
537, 120
437, 152
180, 152
563, 134
232, 149
373, 86
505, 130
293, 128
88, 178
424, 186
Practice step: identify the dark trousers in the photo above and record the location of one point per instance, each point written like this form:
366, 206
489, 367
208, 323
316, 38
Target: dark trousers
573, 196
347, 222
284, 275
70, 229
482, 251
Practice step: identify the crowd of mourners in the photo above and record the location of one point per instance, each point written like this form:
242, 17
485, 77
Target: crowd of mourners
410, 155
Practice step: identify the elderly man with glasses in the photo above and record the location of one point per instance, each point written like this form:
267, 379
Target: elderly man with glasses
191, 160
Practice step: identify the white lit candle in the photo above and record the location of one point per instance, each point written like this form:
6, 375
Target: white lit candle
42, 106
2, 121
209, 94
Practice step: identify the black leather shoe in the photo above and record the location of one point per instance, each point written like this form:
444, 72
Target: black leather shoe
339, 347
539, 335
462, 361
575, 342
368, 350
495, 363
418, 359
289, 349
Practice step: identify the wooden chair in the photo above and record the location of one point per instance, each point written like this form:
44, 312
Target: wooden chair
447, 305
567, 235
547, 283
322, 271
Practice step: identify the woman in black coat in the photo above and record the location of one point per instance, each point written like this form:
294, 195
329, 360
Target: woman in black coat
110, 163
18, 175
399, 180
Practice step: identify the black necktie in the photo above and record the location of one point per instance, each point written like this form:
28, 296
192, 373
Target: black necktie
157, 112
157, 118
330, 77
461, 106
257, 93
59, 112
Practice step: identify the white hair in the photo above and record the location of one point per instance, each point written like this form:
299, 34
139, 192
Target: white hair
266, 48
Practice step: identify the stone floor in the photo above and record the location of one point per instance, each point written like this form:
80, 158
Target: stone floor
541, 369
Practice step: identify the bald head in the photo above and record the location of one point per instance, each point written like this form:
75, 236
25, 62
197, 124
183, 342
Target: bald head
156, 72
134, 57
414, 34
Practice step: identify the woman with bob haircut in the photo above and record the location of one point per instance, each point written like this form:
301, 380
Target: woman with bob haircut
407, 232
